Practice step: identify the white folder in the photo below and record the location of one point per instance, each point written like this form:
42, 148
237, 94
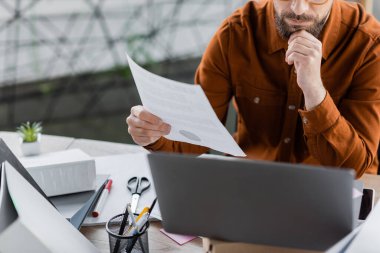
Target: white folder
29, 223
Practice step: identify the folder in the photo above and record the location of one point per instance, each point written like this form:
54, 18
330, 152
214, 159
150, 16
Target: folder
75, 207
32, 224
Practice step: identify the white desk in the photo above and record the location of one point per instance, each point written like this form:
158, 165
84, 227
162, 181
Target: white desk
97, 234
158, 242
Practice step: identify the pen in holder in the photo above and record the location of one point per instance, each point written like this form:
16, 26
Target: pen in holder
124, 237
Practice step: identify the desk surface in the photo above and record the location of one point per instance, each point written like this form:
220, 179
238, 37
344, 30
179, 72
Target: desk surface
158, 242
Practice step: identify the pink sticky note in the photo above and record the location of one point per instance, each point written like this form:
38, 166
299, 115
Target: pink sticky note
180, 239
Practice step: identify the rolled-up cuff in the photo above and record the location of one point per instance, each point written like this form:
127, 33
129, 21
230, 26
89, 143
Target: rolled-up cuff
321, 118
155, 145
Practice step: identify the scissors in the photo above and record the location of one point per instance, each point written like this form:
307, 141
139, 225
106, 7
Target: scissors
137, 185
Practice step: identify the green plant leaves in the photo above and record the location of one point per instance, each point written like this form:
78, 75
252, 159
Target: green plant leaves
29, 131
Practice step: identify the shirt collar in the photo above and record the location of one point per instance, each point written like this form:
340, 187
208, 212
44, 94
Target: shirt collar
331, 30
275, 41
329, 33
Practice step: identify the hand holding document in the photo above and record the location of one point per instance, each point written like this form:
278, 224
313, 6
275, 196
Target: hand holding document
184, 107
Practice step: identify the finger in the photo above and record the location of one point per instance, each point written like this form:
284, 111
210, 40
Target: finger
303, 35
143, 141
302, 42
141, 132
133, 121
140, 112
296, 57
290, 60
306, 42
299, 48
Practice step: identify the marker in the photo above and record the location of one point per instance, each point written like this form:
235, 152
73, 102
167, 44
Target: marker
145, 210
139, 225
131, 218
141, 222
102, 199
131, 215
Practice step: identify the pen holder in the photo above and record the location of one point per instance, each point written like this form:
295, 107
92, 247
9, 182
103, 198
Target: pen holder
123, 243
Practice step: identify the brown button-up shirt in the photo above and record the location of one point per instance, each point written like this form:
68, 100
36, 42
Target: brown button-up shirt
245, 61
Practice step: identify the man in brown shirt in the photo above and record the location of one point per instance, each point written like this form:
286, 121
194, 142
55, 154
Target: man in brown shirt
305, 79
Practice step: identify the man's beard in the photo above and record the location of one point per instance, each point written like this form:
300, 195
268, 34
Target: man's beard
285, 30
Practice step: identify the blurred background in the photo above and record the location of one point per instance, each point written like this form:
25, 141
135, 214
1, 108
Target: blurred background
62, 62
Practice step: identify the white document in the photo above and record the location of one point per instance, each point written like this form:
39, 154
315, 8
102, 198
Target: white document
121, 168
368, 239
38, 226
184, 107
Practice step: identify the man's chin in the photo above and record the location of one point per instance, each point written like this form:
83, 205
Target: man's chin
296, 28
287, 26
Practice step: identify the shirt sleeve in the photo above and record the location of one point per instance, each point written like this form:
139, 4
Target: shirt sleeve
214, 78
348, 135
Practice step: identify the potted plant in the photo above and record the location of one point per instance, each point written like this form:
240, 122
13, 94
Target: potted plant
30, 136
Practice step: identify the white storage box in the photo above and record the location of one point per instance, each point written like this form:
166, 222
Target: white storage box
62, 172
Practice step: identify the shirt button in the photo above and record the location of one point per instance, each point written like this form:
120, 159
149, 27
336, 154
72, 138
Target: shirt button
305, 120
287, 140
256, 100
292, 107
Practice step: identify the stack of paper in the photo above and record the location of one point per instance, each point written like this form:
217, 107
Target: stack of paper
63, 172
75, 207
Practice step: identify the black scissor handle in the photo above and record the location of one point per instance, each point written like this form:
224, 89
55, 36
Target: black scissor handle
142, 184
130, 184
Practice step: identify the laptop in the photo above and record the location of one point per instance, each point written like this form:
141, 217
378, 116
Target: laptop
278, 204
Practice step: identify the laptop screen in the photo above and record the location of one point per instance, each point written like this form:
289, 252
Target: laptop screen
281, 204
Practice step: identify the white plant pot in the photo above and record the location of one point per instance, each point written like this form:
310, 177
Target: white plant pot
31, 148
